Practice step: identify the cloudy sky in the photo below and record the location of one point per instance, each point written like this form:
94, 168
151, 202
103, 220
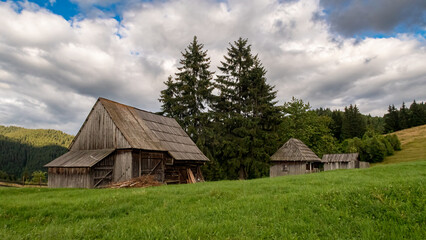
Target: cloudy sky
58, 57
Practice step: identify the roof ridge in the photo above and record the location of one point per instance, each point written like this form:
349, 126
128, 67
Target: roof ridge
296, 149
125, 105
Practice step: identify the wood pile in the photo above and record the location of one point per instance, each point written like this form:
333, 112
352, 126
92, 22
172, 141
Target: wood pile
139, 182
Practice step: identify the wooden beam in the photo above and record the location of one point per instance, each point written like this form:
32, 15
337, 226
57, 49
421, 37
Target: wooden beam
152, 170
191, 178
108, 173
200, 174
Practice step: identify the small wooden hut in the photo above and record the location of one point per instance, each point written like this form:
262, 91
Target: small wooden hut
343, 161
294, 157
118, 142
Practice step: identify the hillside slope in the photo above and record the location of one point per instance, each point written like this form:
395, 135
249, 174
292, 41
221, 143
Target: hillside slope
382, 202
28, 150
413, 143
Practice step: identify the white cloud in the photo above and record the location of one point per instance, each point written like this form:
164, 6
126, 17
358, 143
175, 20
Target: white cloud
52, 70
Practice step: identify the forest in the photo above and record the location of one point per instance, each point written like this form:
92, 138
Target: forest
234, 117
25, 151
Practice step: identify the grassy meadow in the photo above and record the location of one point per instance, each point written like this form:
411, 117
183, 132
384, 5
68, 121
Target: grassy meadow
382, 202
413, 143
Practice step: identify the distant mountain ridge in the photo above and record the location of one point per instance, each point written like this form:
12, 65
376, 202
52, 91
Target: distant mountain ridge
27, 150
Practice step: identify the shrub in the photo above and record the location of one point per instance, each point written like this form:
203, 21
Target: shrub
374, 150
389, 148
394, 141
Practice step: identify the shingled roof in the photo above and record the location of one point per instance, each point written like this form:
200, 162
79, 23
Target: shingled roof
295, 150
80, 158
149, 131
343, 157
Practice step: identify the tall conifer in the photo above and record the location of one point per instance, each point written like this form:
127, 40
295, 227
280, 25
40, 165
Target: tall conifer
187, 96
353, 124
245, 114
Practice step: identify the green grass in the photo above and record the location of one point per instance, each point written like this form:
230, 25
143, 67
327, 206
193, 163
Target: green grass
413, 143
383, 202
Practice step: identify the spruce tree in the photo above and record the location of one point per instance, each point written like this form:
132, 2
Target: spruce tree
417, 114
186, 97
336, 125
392, 119
245, 114
403, 117
168, 98
353, 124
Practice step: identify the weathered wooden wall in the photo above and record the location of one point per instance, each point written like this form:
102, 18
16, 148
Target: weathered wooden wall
122, 166
340, 165
287, 168
363, 164
99, 132
103, 171
70, 178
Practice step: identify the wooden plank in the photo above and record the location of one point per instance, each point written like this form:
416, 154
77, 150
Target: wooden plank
102, 179
152, 170
200, 174
191, 178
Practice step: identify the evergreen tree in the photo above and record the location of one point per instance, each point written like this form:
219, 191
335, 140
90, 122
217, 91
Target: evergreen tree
392, 119
245, 114
403, 117
187, 96
336, 125
417, 114
353, 123
168, 97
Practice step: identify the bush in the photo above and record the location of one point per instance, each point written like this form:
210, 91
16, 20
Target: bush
389, 148
394, 141
38, 177
374, 150
352, 145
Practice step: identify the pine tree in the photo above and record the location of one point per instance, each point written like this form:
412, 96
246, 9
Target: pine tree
403, 117
186, 98
336, 126
245, 114
392, 119
353, 124
168, 98
417, 114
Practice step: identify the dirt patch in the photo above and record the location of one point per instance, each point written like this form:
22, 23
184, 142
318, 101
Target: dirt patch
143, 181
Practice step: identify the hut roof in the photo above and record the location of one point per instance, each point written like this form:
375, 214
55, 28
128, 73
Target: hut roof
80, 158
149, 131
343, 157
295, 150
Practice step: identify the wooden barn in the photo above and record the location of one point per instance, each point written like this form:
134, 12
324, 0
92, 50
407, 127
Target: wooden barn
343, 161
294, 157
118, 142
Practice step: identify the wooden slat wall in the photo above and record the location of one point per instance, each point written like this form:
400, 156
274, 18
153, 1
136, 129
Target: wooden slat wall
364, 164
293, 168
99, 132
101, 169
122, 166
340, 165
70, 178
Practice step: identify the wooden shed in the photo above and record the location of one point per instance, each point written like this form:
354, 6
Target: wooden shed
119, 142
294, 157
343, 161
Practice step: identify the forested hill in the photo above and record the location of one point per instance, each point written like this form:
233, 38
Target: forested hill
23, 151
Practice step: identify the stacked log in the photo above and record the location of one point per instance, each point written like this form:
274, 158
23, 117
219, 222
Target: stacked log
139, 182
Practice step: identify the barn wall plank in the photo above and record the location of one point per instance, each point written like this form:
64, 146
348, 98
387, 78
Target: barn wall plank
122, 166
287, 168
99, 132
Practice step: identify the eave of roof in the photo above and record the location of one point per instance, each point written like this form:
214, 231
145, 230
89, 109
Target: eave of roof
80, 158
